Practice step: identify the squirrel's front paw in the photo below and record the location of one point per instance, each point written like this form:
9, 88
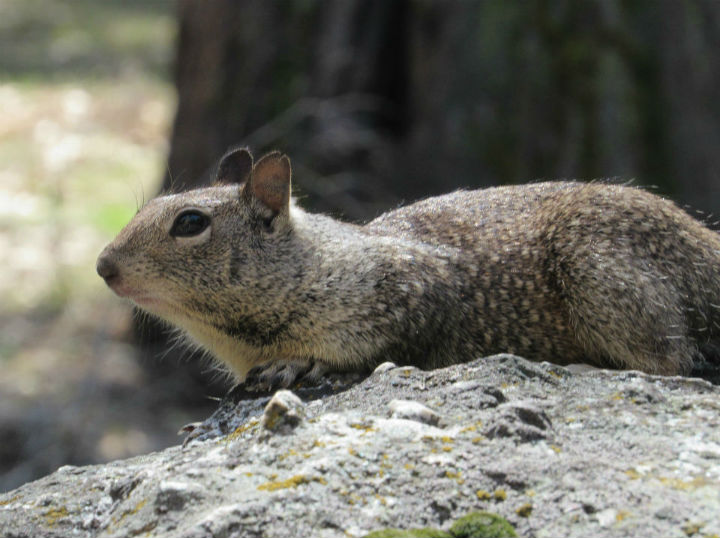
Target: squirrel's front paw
282, 374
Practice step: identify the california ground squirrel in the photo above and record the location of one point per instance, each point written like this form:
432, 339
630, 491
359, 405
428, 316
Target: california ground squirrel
559, 271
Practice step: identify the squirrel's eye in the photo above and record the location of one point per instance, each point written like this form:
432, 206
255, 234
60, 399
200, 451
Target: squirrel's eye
189, 223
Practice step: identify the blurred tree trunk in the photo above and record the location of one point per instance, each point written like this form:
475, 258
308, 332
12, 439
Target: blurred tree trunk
324, 81
379, 101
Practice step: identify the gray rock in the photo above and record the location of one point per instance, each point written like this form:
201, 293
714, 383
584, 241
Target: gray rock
414, 411
384, 367
283, 412
593, 453
524, 421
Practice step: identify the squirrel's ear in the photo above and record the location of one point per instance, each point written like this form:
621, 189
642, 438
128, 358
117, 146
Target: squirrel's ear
270, 182
235, 167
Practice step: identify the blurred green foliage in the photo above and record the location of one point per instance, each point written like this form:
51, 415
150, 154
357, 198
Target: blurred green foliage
68, 39
86, 104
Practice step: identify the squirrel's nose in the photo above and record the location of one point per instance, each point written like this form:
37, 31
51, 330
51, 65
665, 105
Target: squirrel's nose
107, 268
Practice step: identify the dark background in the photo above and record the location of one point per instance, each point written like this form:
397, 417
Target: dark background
377, 102
380, 101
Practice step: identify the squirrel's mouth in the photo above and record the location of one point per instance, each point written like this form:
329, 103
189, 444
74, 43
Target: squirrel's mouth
148, 300
139, 296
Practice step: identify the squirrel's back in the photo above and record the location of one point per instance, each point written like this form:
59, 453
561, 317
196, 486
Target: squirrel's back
630, 276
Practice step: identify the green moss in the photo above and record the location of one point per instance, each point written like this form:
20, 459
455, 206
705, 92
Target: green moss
473, 525
482, 525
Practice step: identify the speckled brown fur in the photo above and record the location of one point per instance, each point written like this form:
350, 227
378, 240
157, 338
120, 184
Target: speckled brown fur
558, 271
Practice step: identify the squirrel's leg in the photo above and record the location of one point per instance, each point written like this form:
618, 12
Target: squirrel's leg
282, 373
626, 313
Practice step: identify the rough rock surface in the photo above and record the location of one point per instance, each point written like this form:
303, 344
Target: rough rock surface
557, 452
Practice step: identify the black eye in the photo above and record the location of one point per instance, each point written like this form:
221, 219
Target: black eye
189, 223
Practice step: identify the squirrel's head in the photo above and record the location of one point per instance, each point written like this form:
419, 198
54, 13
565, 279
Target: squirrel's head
181, 253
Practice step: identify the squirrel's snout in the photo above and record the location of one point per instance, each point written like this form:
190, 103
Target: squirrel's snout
107, 268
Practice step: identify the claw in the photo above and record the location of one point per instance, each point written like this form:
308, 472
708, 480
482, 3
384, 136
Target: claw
282, 374
189, 428
278, 380
315, 374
